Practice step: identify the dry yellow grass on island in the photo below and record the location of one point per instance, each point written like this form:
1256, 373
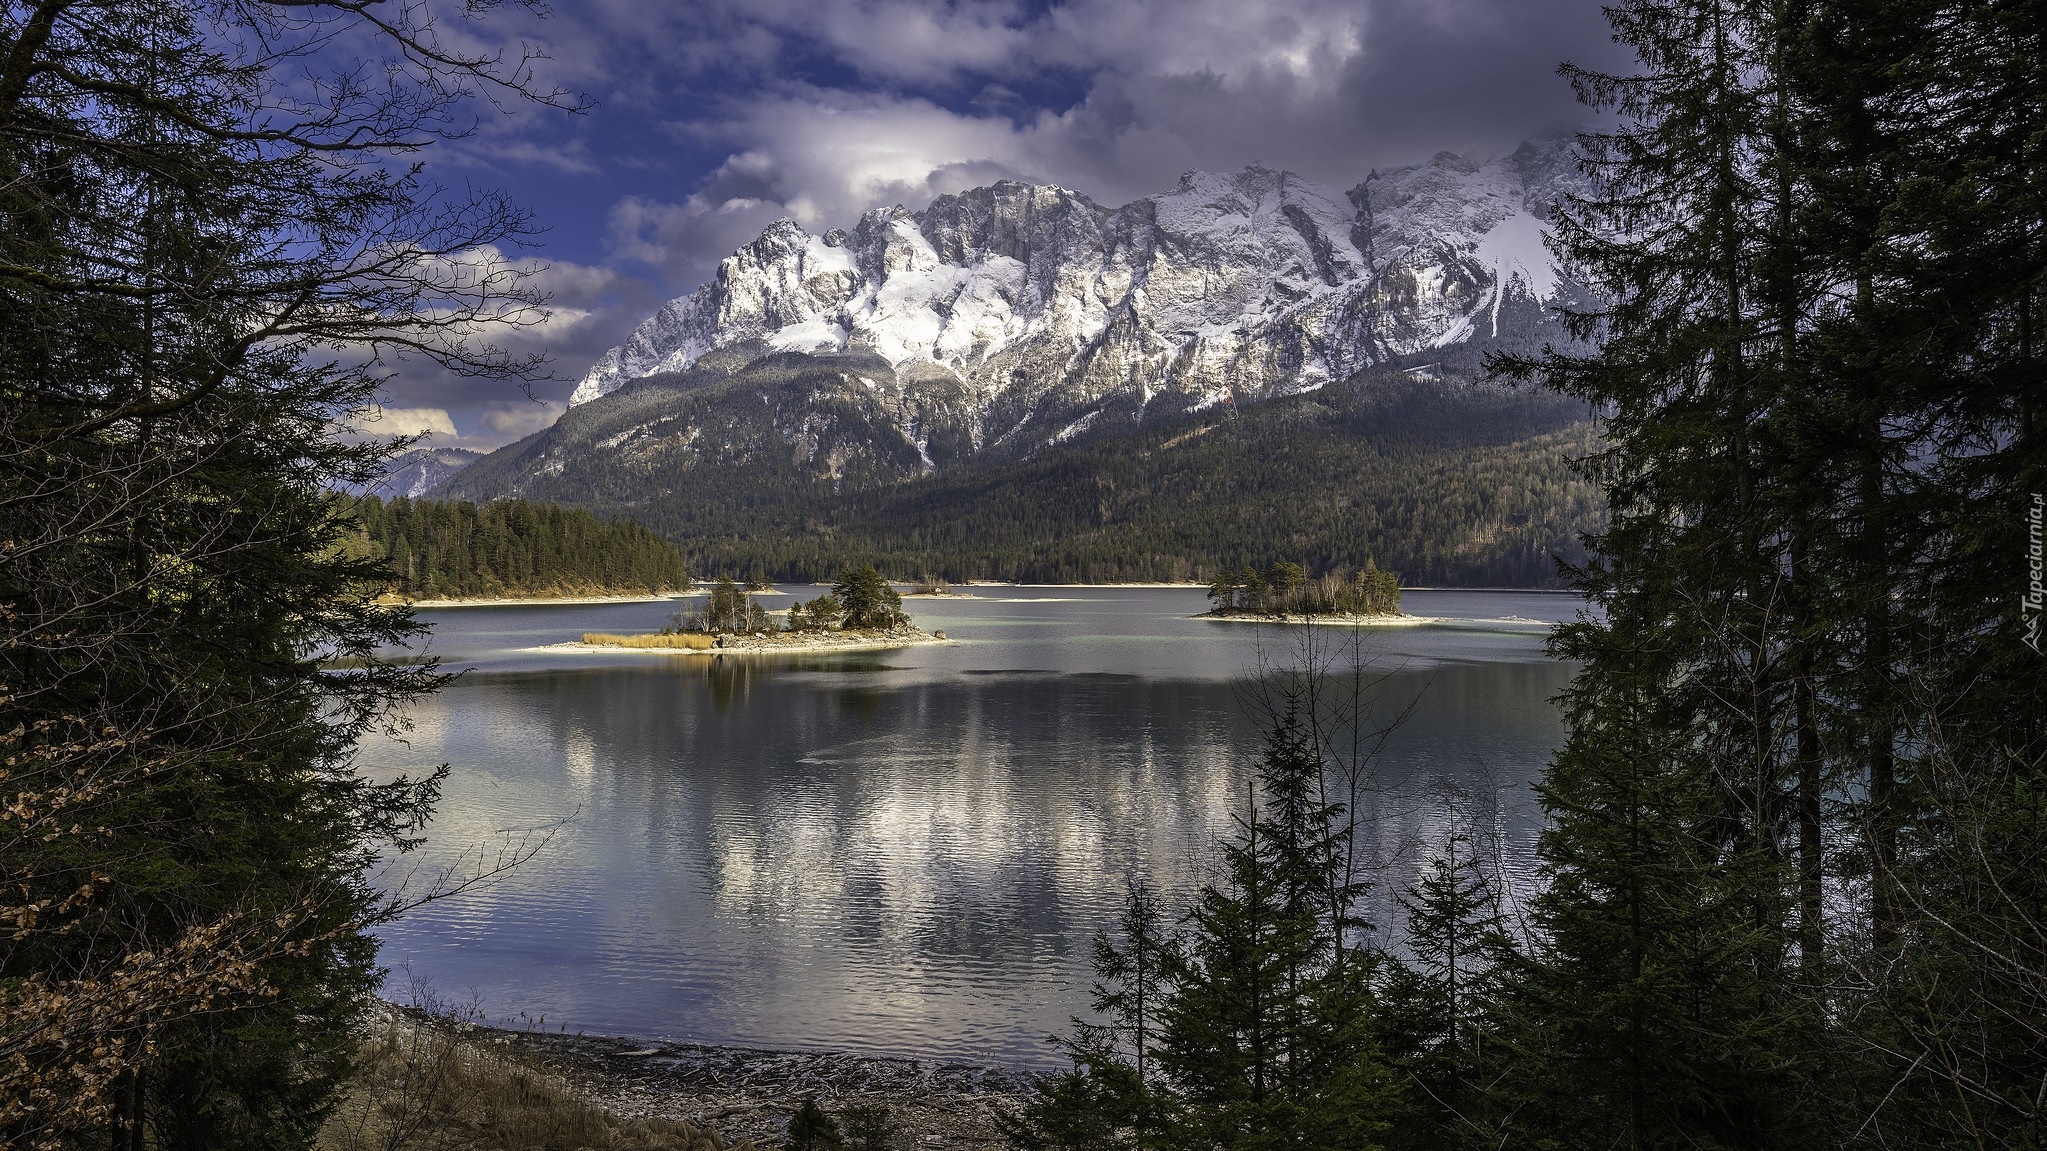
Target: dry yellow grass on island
687, 641
754, 643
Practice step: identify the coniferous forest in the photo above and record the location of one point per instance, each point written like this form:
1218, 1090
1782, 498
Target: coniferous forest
1444, 485
511, 547
1443, 482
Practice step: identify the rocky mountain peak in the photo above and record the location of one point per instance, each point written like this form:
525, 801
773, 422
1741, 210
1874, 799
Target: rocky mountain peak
1022, 313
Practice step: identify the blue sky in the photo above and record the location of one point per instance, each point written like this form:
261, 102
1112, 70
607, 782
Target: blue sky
713, 118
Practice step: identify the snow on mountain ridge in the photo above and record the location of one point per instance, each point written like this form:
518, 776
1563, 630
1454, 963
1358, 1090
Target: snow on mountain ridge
1250, 283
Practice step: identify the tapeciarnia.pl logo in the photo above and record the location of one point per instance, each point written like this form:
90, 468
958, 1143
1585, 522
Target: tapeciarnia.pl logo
2036, 595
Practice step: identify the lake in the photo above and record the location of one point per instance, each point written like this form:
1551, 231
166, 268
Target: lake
904, 852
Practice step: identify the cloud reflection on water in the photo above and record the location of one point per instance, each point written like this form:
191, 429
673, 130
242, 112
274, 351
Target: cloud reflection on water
867, 855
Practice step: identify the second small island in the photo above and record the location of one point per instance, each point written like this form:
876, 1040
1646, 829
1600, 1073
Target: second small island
1284, 593
860, 612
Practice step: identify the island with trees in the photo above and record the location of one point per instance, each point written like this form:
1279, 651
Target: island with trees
1284, 592
860, 612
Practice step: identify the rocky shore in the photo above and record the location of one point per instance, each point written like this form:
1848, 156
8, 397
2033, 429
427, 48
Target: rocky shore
749, 1094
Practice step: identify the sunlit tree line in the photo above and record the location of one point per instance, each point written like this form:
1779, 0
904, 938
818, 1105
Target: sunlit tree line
510, 547
1284, 590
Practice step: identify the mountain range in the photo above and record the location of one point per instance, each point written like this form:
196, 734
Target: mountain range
412, 474
1004, 322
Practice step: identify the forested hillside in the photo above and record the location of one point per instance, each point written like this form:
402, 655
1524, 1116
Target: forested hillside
1443, 483
512, 547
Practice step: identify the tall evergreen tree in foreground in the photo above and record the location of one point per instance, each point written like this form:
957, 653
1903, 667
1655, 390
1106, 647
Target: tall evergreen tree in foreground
1664, 1000
1796, 818
1439, 1007
195, 220
1948, 979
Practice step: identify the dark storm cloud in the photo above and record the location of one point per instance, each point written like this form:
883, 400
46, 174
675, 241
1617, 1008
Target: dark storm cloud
715, 118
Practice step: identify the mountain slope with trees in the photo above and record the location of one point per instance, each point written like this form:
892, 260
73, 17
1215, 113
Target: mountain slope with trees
1440, 482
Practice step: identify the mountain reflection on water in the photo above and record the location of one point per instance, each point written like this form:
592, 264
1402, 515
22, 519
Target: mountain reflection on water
902, 852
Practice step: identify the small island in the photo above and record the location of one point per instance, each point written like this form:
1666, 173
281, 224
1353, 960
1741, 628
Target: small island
861, 612
1283, 593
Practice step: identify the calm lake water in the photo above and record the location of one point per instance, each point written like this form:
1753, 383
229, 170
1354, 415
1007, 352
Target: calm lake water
903, 852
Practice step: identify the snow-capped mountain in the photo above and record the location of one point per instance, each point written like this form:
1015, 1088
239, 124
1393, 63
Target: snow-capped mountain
420, 470
1248, 284
1007, 319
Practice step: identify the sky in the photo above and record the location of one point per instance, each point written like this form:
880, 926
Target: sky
710, 119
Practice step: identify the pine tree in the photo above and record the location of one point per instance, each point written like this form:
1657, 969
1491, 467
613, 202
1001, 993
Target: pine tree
1131, 981
1671, 916
1251, 1027
1266, 1039
1113, 1095
187, 238
1940, 223
1438, 1008
811, 1129
872, 1127
867, 600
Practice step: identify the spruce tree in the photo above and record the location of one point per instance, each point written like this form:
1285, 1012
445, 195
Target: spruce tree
1113, 1095
1820, 240
1438, 1007
812, 1129
1940, 356
1251, 1027
1665, 993
1266, 1040
188, 238
866, 598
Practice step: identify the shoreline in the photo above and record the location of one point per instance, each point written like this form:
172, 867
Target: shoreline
749, 1093
1102, 585
541, 601
664, 597
1401, 620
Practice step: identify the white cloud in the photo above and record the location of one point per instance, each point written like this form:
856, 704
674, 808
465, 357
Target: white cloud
503, 424
1327, 88
380, 422
588, 307
821, 161
492, 425
935, 42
